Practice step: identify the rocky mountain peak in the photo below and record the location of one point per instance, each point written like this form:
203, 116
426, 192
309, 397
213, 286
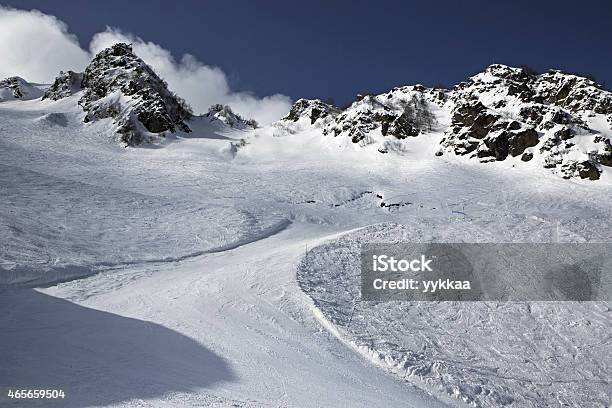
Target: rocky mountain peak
510, 73
120, 85
18, 88
225, 114
554, 117
561, 121
312, 109
400, 113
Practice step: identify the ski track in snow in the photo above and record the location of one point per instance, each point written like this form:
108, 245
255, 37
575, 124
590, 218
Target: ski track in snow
195, 247
480, 352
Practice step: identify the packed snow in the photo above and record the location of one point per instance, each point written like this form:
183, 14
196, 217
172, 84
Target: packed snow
555, 353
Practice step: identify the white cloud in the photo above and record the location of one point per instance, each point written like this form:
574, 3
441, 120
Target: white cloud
37, 46
264, 110
201, 85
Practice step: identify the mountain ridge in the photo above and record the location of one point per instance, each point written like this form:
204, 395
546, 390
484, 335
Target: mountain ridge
561, 121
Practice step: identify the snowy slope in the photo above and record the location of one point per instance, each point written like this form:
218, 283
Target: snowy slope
479, 352
72, 184
18, 88
190, 246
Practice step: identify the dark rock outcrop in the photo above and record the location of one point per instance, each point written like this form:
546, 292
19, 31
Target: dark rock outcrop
398, 114
119, 85
584, 169
12, 86
226, 115
312, 109
519, 140
18, 88
524, 110
66, 84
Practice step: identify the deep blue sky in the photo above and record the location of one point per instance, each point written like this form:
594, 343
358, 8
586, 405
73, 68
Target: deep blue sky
339, 49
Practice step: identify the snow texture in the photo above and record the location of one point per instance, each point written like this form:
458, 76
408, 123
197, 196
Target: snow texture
479, 352
165, 275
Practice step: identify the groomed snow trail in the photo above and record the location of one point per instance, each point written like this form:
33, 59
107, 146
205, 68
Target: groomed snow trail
244, 306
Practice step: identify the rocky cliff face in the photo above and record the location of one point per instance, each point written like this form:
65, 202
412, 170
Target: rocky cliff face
66, 84
400, 113
562, 121
120, 85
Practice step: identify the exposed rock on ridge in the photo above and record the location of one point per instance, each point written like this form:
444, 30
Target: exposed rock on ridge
18, 88
66, 84
562, 121
226, 115
120, 85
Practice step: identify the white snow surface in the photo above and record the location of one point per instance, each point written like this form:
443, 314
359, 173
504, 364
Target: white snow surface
187, 252
487, 354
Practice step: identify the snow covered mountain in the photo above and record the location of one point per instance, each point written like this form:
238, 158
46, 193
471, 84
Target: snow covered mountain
204, 263
225, 115
18, 88
561, 121
119, 85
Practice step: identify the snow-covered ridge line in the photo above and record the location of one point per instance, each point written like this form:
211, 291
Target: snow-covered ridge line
117, 84
560, 121
18, 88
554, 120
